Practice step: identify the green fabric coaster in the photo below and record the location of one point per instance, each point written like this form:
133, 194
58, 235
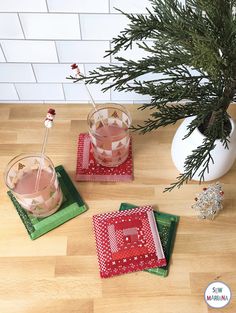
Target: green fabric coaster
72, 206
167, 226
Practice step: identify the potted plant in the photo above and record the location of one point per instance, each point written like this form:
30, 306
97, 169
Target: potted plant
193, 47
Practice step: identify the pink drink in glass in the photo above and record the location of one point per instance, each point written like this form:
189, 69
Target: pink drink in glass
109, 133
21, 179
105, 139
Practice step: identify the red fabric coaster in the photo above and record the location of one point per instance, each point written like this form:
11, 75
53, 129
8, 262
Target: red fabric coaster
88, 169
127, 241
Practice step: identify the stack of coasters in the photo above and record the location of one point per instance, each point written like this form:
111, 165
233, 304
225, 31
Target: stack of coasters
127, 241
87, 169
167, 226
72, 206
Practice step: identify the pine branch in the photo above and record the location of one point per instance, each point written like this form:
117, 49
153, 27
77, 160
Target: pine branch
166, 115
173, 90
192, 49
140, 27
199, 157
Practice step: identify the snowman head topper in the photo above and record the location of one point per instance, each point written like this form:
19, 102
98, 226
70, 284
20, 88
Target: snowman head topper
49, 118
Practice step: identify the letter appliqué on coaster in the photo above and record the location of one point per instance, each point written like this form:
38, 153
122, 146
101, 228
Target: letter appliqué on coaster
88, 169
127, 241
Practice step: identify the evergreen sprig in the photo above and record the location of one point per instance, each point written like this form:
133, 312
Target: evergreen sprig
191, 51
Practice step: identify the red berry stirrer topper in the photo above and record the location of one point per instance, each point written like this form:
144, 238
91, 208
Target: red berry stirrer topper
76, 69
48, 123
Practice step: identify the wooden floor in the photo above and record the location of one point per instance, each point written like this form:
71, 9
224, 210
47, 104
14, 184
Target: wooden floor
58, 273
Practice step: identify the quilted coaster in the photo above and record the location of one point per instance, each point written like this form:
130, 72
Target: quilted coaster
167, 226
88, 169
127, 241
72, 206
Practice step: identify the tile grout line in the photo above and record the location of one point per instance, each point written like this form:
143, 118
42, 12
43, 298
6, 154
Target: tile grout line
14, 84
18, 14
56, 63
4, 55
55, 45
69, 13
80, 28
47, 5
64, 101
109, 6
49, 101
110, 59
63, 90
41, 83
65, 39
34, 72
110, 91
110, 94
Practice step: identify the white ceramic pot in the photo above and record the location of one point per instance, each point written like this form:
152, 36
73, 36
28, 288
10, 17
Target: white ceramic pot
223, 158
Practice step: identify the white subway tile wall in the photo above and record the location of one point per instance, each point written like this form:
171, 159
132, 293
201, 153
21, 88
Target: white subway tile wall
23, 6
82, 51
8, 92
40, 39
102, 26
122, 96
130, 6
78, 91
28, 51
78, 6
10, 27
40, 91
50, 26
10, 72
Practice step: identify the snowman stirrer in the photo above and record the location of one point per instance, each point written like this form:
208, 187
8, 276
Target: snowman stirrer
48, 123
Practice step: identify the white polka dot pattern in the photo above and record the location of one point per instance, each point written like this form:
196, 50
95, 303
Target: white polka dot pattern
124, 242
87, 168
148, 236
112, 238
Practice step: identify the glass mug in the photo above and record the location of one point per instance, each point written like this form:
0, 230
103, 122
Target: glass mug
109, 132
20, 177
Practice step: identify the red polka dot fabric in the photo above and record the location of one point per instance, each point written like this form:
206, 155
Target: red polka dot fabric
87, 169
127, 241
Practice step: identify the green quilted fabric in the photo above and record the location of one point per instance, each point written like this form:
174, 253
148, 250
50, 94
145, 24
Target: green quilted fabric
72, 206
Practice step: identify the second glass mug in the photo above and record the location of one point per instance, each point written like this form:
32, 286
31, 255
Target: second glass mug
109, 132
20, 177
